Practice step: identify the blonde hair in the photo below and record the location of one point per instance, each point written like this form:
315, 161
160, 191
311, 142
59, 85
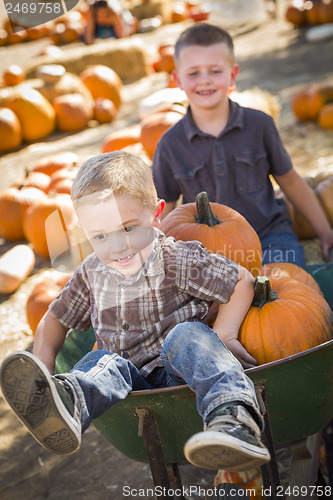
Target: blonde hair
114, 174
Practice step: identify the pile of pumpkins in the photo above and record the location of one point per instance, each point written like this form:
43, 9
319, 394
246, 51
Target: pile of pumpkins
314, 103
63, 101
307, 13
64, 29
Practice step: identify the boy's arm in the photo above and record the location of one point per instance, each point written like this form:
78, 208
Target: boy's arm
50, 336
301, 196
231, 315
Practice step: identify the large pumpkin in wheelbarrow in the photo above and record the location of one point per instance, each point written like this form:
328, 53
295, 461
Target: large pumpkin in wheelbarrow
219, 228
286, 317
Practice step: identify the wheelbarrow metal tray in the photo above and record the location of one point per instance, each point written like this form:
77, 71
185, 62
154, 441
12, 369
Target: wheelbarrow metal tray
299, 395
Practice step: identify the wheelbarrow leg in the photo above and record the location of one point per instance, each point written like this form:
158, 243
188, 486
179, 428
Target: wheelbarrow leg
269, 472
160, 470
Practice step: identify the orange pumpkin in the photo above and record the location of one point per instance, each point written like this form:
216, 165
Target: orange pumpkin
300, 105
13, 204
282, 270
50, 164
317, 98
286, 317
219, 228
325, 118
121, 138
35, 113
34, 179
104, 110
154, 126
103, 81
312, 11
62, 180
72, 111
43, 293
325, 13
295, 15
10, 130
13, 75
45, 225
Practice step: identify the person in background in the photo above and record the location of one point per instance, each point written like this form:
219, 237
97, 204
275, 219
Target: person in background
231, 151
107, 19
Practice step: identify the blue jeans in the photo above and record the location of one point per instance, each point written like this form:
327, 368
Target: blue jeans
282, 247
192, 354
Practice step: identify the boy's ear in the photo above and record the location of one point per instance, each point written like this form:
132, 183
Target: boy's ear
158, 212
176, 78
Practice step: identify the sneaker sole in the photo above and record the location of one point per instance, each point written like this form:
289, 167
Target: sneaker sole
213, 450
41, 411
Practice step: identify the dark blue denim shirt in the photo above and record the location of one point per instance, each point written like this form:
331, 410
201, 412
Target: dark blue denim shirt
233, 168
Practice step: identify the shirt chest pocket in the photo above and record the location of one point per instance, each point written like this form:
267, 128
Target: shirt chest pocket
195, 180
251, 172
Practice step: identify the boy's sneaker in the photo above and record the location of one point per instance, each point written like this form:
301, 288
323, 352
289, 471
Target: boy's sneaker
230, 441
47, 406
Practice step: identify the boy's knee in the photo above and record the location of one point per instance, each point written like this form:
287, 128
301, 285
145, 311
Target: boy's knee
184, 334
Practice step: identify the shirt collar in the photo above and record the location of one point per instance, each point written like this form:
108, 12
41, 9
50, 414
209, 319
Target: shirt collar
235, 121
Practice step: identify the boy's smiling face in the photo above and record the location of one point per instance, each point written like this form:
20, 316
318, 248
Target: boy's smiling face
206, 74
120, 230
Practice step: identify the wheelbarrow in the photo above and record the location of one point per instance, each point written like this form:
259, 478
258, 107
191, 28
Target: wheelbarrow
295, 394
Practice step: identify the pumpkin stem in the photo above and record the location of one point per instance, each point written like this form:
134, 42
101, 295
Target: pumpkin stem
263, 292
205, 214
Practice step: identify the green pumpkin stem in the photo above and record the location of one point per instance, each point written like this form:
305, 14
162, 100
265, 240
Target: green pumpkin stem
263, 292
205, 214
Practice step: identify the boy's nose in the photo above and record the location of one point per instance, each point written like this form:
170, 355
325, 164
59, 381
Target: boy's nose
118, 242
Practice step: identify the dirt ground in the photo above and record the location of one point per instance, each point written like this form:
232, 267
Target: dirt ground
272, 56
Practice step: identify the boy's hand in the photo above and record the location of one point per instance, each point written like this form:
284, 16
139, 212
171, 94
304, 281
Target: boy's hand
236, 348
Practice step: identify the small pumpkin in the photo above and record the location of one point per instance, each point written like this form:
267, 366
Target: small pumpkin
13, 75
43, 293
282, 270
119, 139
10, 130
325, 118
318, 97
286, 317
296, 15
300, 105
72, 112
45, 224
34, 179
104, 110
154, 126
62, 180
219, 228
14, 201
35, 113
50, 164
103, 81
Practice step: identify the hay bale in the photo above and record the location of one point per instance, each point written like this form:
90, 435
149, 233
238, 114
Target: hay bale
127, 57
258, 99
151, 8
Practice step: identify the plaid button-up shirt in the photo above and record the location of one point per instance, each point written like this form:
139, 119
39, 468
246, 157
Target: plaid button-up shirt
133, 315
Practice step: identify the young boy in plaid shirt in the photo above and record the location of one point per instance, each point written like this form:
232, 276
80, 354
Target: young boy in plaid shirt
146, 297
